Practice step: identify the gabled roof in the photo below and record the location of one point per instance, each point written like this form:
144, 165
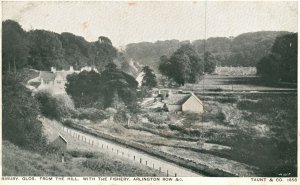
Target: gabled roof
177, 99
47, 76
192, 94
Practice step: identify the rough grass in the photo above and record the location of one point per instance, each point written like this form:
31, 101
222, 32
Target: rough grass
19, 162
264, 132
219, 83
260, 129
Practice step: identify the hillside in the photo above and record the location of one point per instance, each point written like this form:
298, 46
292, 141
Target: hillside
78, 163
243, 50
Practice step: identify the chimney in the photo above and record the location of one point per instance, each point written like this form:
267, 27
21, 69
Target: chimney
53, 69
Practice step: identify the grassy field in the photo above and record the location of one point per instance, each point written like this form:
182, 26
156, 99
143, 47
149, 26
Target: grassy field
236, 83
245, 134
81, 160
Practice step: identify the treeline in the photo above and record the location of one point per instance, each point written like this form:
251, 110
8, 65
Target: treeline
244, 50
281, 64
40, 49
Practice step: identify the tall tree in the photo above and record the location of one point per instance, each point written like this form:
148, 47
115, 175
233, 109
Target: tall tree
103, 53
164, 66
268, 68
281, 64
110, 89
149, 79
286, 47
183, 66
14, 46
84, 88
117, 86
209, 62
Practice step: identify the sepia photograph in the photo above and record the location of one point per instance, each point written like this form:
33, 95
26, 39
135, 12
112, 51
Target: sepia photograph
145, 90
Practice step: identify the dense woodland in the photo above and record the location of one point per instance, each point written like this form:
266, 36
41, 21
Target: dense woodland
40, 49
243, 50
281, 63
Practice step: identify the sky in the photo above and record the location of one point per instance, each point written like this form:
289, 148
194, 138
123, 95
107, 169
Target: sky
132, 22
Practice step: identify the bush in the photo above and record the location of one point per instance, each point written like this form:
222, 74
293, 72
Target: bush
215, 116
20, 111
92, 114
55, 106
68, 122
157, 118
35, 84
86, 154
121, 116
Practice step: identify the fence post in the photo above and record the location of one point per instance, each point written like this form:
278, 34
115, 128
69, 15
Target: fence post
159, 169
175, 175
140, 160
146, 163
167, 173
133, 157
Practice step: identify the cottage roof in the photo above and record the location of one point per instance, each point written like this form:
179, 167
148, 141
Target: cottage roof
192, 94
177, 99
47, 76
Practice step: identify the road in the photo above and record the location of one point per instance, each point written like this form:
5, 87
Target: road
131, 154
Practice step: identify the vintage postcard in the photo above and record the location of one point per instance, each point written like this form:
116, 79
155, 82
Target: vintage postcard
149, 92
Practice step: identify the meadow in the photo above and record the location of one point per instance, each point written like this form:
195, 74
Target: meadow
236, 83
250, 134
